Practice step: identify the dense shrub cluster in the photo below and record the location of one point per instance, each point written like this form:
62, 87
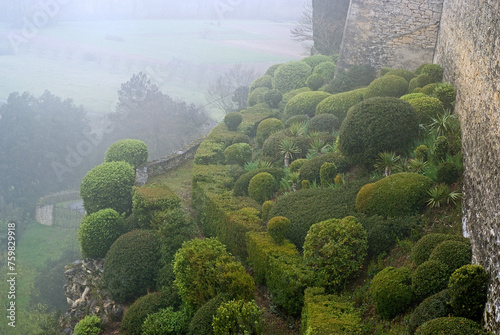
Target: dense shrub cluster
273, 98
238, 224
151, 199
454, 254
446, 93
201, 323
263, 81
238, 317
423, 248
427, 108
419, 82
399, 194
435, 306
315, 60
233, 120
210, 152
328, 172
266, 128
323, 123
325, 69
134, 152
291, 76
238, 153
98, 231
315, 81
377, 125
387, 86
451, 326
261, 187
336, 249
429, 278
108, 185
89, 325
311, 169
339, 104
241, 185
406, 74
304, 103
132, 265
278, 228
257, 96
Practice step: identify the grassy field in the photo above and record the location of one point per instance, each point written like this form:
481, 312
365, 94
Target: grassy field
87, 61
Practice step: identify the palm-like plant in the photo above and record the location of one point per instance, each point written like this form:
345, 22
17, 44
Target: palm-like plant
387, 162
287, 149
441, 194
293, 177
444, 123
298, 128
418, 165
318, 147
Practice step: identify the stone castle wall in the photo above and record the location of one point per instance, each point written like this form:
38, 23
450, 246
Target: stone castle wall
468, 49
395, 33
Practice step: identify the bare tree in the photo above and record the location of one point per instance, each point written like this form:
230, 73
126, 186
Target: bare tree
230, 90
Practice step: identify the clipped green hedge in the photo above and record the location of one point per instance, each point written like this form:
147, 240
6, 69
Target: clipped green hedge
238, 317
135, 315
328, 314
423, 248
399, 194
151, 199
451, 326
203, 269
427, 108
291, 76
446, 93
239, 223
411, 96
391, 291
241, 185
287, 279
429, 278
132, 265
308, 206
166, 321
210, 152
238, 153
304, 104
377, 125
98, 231
419, 82
278, 228
387, 86
406, 74
266, 128
435, 306
134, 152
454, 254
434, 71
108, 185
261, 247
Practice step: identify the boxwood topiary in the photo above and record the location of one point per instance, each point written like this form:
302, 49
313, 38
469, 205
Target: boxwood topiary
399, 194
428, 89
411, 96
446, 93
429, 278
89, 325
233, 120
325, 69
315, 81
468, 287
238, 317
166, 321
308, 206
304, 103
132, 265
328, 172
201, 323
311, 170
263, 81
238, 153
203, 269
391, 291
323, 123
272, 69
406, 74
108, 185
297, 119
336, 249
241, 185
427, 108
297, 164
423, 248
278, 228
377, 125
135, 315
434, 71
273, 98
338, 104
210, 153
134, 152
450, 326
257, 96
387, 86
266, 208
435, 306
452, 253
266, 128
315, 60
262, 187
98, 231
151, 199
447, 173
291, 76
419, 82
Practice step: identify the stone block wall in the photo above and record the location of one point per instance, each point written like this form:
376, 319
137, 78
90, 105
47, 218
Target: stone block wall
469, 50
395, 33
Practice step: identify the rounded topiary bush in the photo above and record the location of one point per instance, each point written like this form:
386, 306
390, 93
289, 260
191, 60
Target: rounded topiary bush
304, 103
387, 86
272, 69
134, 317
238, 317
377, 125
297, 119
257, 96
435, 306
273, 98
399, 194
406, 74
468, 288
434, 71
446, 93
238, 153
311, 169
233, 120
419, 82
241, 185
266, 208
167, 321
267, 127
427, 108
452, 253
325, 69
328, 172
428, 89
411, 96
98, 231
278, 228
89, 325
297, 164
429, 278
261, 187
450, 326
204, 269
422, 152
201, 323
447, 173
263, 81
291, 76
315, 81
131, 265
134, 152
315, 60
108, 185
338, 104
323, 123
391, 291
423, 248
336, 249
